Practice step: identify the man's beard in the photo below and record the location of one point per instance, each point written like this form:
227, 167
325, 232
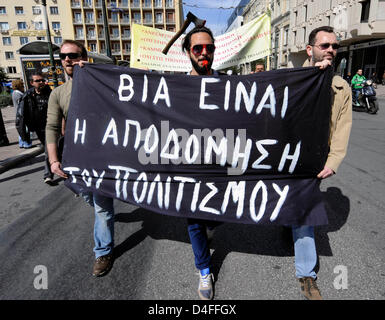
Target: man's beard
201, 70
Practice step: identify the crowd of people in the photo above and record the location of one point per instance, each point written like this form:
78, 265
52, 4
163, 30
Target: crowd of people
45, 112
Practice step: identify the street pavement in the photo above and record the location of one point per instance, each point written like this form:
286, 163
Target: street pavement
47, 227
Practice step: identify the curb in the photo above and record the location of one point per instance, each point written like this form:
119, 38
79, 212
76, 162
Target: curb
14, 161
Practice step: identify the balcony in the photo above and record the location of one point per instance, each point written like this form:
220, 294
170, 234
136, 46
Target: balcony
125, 21
170, 21
90, 21
113, 21
126, 36
114, 37
78, 21
79, 37
75, 4
147, 21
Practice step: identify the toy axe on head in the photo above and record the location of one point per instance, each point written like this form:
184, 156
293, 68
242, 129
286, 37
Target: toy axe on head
189, 18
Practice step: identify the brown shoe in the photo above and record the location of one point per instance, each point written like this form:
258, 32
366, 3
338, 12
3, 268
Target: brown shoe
103, 265
309, 288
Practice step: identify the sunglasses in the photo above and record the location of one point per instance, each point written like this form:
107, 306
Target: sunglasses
70, 55
198, 48
39, 80
324, 46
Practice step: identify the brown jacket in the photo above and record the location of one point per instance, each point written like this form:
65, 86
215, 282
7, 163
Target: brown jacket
340, 121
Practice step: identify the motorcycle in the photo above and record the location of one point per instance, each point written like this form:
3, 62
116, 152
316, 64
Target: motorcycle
367, 100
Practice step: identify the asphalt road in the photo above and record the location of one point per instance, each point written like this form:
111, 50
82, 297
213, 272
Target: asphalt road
47, 226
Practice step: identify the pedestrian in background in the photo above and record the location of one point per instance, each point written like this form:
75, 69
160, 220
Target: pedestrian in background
33, 112
17, 94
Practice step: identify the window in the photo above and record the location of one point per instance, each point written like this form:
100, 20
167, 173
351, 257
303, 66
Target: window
136, 17
114, 17
147, 17
22, 25
57, 40
88, 3
91, 33
7, 41
170, 17
11, 69
365, 11
158, 3
79, 33
56, 25
169, 3
147, 3
40, 38
115, 32
36, 10
38, 25
159, 17
54, 10
78, 17
305, 7
286, 36
3, 10
4, 26
19, 10
93, 47
126, 33
23, 40
304, 34
135, 4
89, 17
9, 55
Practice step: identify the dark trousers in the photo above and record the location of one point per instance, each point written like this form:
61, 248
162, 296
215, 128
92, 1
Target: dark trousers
3, 134
47, 168
198, 237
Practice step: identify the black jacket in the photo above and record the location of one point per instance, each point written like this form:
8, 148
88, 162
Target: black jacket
30, 114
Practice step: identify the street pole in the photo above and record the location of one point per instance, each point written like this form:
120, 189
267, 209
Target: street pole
106, 31
52, 60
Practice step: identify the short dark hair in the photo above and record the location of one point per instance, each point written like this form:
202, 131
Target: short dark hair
78, 44
36, 73
313, 34
186, 44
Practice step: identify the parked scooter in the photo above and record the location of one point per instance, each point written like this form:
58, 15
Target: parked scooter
367, 100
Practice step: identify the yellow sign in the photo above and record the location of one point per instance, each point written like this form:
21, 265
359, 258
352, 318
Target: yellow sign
28, 33
249, 42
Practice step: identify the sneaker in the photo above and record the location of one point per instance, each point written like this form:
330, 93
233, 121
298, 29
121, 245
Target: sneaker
103, 265
49, 181
206, 287
309, 288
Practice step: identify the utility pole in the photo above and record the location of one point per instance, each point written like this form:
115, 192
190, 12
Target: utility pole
106, 31
52, 60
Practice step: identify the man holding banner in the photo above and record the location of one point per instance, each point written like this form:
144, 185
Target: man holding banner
72, 53
322, 50
199, 46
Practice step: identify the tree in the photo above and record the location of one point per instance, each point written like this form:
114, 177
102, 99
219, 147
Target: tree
3, 75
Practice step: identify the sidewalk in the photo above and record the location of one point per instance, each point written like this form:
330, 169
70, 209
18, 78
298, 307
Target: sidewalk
12, 155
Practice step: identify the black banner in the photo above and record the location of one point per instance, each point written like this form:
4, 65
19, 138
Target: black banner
228, 148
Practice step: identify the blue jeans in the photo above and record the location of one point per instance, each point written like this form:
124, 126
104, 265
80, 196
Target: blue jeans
198, 237
104, 222
304, 251
356, 94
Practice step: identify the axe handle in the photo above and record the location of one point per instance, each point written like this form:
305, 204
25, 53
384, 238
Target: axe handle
176, 36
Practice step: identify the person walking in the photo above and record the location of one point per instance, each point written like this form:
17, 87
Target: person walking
17, 94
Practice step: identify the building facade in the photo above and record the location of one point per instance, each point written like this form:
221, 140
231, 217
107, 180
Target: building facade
22, 21
360, 27
88, 23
